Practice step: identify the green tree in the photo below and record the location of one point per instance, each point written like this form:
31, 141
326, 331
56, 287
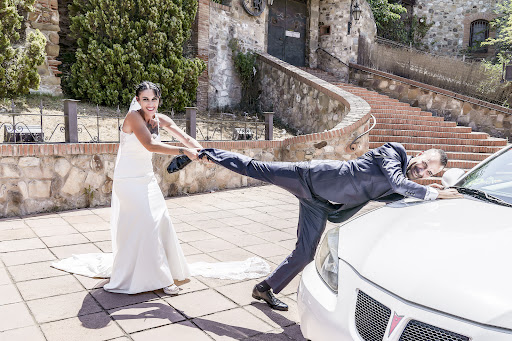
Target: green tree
124, 42
503, 26
385, 13
18, 60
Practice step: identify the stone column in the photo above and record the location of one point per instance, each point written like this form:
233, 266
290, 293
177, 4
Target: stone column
71, 120
269, 125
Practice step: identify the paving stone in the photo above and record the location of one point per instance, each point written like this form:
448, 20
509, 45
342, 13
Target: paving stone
236, 221
275, 236
63, 306
98, 236
84, 219
192, 236
74, 213
91, 283
211, 302
221, 232
212, 245
40, 288
189, 250
232, 255
27, 257
186, 331
32, 333
9, 294
105, 246
45, 222
4, 277
145, 315
235, 323
93, 327
62, 240
14, 316
86, 227
11, 224
19, 233
59, 230
69, 250
110, 300
267, 250
183, 227
255, 228
21, 245
240, 293
243, 239
294, 332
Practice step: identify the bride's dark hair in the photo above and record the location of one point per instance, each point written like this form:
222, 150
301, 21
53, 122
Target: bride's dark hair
148, 86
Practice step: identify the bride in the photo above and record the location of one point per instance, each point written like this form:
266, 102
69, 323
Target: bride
146, 254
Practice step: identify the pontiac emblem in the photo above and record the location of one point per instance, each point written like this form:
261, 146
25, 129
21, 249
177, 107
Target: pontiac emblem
396, 320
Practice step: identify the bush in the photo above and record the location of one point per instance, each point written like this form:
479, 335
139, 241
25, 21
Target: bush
18, 62
124, 42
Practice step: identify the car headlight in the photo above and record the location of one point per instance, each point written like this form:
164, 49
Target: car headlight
327, 261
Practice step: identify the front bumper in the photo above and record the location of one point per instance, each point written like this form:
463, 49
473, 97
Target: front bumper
327, 316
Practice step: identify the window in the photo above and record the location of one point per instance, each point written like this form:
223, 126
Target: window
478, 33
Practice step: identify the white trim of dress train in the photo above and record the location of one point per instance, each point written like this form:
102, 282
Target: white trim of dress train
99, 265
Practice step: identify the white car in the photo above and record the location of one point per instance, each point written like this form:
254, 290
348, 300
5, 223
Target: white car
419, 270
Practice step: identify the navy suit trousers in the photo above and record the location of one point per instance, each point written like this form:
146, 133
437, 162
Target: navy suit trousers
293, 177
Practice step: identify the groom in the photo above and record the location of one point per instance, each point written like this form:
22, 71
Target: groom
335, 191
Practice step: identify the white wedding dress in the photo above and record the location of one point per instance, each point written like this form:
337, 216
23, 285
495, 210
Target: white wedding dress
146, 254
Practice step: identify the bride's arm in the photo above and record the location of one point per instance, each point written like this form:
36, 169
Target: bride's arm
167, 123
136, 124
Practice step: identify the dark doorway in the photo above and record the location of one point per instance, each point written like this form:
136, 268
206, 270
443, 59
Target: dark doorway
287, 31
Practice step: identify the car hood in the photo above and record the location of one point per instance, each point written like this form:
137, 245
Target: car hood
450, 255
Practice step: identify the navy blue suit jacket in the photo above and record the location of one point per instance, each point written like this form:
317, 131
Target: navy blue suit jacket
377, 174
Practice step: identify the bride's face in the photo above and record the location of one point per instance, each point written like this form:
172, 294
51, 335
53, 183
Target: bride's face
148, 101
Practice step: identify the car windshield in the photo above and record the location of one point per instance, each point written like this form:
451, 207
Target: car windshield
493, 177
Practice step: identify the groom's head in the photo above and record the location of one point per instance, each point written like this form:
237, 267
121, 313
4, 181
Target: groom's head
426, 164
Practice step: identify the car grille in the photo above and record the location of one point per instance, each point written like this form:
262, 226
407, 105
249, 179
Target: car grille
419, 331
371, 317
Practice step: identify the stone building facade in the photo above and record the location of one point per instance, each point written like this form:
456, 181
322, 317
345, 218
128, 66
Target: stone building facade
45, 18
451, 32
325, 24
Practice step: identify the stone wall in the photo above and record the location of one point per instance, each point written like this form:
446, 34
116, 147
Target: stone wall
479, 115
226, 23
452, 22
335, 14
45, 18
53, 177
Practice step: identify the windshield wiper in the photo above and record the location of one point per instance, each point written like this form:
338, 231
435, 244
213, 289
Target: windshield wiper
479, 194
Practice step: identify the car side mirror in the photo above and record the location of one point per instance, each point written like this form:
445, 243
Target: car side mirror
451, 176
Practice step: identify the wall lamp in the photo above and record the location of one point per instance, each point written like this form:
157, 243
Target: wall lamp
355, 13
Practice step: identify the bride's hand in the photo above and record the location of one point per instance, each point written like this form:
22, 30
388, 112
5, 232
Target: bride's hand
192, 153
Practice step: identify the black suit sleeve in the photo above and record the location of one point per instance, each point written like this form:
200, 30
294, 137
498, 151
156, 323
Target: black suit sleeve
391, 158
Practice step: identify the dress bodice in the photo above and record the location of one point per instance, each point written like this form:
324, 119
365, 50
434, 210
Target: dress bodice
133, 159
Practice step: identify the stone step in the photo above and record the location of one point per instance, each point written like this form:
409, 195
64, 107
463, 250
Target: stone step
402, 111
414, 121
458, 129
477, 157
419, 133
393, 106
445, 147
379, 116
490, 142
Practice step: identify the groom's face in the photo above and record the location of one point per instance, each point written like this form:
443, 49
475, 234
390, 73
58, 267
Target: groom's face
148, 101
424, 165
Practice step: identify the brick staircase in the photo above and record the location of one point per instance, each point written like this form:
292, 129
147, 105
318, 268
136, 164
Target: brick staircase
418, 130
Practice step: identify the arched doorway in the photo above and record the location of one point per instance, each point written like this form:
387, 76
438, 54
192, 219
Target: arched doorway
287, 31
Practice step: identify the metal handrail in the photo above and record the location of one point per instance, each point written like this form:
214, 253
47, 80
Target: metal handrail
362, 134
333, 56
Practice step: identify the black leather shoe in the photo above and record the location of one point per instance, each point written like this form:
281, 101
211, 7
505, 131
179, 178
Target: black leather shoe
178, 163
270, 299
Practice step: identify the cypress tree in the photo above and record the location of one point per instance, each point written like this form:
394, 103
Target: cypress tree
124, 42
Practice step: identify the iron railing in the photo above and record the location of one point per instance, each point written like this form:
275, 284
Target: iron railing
79, 124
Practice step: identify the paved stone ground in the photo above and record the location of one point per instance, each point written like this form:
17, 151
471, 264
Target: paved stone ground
38, 302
